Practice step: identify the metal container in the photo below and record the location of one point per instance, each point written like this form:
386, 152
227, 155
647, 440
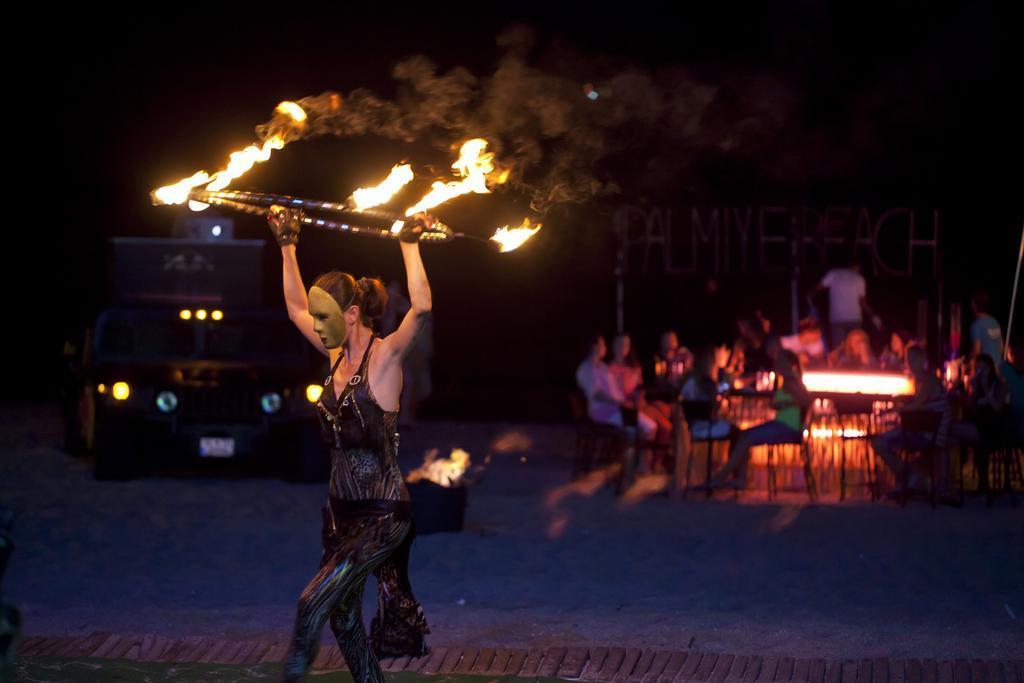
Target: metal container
437, 508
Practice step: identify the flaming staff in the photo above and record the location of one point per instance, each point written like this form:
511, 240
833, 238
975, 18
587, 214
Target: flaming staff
238, 162
259, 203
504, 239
477, 168
268, 199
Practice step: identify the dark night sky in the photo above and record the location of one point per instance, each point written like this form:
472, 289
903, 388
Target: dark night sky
914, 100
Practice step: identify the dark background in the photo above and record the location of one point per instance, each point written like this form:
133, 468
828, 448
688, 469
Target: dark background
914, 103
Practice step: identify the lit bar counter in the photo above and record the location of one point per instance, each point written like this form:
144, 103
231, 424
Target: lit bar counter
848, 407
883, 385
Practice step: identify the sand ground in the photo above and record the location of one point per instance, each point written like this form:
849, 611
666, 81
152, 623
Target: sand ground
539, 562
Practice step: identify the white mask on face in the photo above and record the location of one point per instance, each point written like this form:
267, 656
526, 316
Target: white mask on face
328, 318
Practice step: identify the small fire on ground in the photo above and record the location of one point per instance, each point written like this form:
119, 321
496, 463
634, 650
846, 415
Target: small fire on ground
445, 472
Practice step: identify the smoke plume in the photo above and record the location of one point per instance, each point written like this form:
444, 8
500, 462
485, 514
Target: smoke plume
583, 126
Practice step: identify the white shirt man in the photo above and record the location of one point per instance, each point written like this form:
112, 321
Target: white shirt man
847, 302
846, 287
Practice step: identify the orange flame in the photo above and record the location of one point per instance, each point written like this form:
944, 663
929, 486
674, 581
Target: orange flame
475, 166
178, 192
509, 239
238, 163
367, 197
241, 162
297, 113
444, 471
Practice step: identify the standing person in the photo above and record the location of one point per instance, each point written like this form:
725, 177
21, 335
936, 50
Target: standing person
986, 335
847, 301
368, 525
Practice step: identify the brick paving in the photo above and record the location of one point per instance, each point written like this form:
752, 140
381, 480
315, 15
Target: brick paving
594, 664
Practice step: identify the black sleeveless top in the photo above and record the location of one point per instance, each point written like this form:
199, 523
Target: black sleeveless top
363, 439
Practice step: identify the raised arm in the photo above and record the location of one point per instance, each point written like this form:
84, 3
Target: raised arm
396, 345
285, 226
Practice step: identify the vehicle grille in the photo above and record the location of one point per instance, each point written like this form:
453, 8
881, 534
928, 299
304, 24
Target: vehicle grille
220, 403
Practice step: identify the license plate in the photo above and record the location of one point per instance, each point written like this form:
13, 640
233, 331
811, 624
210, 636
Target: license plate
216, 447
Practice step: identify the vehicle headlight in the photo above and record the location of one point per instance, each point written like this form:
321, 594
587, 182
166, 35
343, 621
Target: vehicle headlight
270, 402
313, 392
121, 391
166, 401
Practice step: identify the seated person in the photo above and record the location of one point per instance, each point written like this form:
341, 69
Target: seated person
790, 400
750, 354
855, 352
700, 385
605, 398
1012, 372
627, 373
986, 406
929, 394
737, 360
670, 363
894, 357
624, 367
807, 343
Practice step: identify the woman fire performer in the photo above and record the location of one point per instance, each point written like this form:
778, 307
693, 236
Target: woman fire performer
368, 525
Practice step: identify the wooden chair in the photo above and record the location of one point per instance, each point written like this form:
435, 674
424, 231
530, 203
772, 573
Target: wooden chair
1008, 459
803, 442
695, 412
925, 423
856, 407
630, 417
593, 439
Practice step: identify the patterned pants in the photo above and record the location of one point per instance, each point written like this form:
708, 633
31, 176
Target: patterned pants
355, 547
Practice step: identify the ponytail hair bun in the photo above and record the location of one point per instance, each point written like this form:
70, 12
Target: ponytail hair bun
372, 298
366, 293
